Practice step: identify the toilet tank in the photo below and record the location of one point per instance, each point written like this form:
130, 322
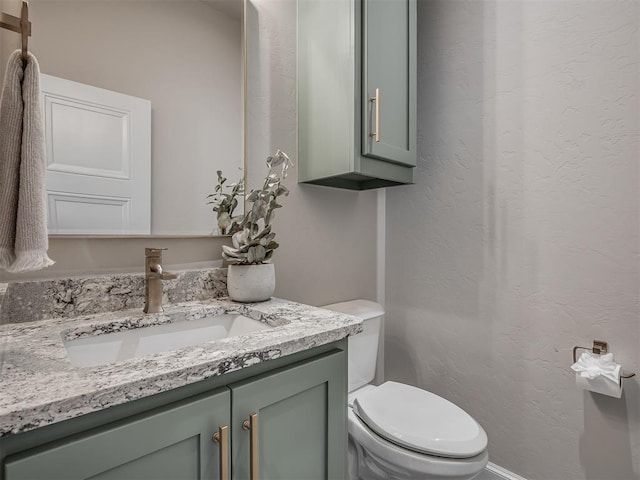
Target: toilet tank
363, 347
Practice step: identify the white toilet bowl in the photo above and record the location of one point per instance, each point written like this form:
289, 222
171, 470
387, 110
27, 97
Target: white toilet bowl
374, 457
400, 432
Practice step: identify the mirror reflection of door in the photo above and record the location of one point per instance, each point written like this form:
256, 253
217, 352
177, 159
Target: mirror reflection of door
98, 149
184, 56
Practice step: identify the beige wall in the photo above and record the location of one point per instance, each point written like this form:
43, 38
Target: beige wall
327, 236
76, 257
520, 238
186, 58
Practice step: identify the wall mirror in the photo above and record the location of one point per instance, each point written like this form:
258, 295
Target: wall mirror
186, 60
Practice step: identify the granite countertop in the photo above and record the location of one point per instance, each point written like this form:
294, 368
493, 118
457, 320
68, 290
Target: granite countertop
39, 386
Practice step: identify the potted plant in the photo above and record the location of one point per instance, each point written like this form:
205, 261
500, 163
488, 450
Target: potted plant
251, 277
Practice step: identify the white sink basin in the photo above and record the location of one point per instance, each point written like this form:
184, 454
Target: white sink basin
138, 342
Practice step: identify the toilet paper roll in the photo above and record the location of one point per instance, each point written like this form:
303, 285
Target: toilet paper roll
598, 373
600, 385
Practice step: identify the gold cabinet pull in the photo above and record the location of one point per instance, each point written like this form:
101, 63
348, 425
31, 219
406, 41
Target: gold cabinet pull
222, 437
252, 425
376, 100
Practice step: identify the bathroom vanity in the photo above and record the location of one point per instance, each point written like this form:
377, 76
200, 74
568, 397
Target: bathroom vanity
262, 403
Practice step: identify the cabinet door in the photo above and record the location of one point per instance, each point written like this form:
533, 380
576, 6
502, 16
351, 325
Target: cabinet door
389, 68
301, 422
173, 442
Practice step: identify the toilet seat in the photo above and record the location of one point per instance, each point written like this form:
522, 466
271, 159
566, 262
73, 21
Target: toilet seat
420, 421
392, 457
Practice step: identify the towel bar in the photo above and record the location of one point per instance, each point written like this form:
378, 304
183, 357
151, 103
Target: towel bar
20, 25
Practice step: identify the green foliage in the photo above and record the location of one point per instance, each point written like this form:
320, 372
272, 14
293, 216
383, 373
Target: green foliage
253, 241
224, 204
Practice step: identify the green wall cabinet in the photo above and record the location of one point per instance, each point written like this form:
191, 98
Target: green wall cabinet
287, 423
356, 92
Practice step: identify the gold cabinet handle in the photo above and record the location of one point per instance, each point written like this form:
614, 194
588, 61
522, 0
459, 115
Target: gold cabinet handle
376, 100
222, 437
252, 425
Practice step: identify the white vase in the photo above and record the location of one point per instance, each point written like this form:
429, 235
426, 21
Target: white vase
251, 283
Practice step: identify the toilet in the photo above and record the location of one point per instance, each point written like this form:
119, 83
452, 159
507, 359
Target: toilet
398, 431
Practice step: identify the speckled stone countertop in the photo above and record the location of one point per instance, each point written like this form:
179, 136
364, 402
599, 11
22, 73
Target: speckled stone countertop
38, 385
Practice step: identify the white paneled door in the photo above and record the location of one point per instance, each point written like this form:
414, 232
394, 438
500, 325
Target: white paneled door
98, 146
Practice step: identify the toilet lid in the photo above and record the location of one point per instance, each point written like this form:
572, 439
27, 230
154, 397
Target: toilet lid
420, 420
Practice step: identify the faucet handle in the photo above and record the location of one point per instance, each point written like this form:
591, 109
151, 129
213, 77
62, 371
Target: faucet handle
153, 252
154, 267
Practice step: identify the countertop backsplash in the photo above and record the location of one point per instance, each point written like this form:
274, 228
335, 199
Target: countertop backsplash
70, 297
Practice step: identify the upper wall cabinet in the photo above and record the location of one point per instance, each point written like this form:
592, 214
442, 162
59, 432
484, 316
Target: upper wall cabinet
356, 92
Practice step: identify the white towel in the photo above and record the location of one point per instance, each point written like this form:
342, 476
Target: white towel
23, 222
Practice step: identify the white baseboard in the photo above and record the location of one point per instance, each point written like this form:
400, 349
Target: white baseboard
496, 472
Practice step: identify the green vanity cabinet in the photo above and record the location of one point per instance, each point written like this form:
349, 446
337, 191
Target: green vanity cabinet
298, 430
172, 443
357, 92
298, 427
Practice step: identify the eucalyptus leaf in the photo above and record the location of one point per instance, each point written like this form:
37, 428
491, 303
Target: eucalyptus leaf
231, 252
259, 253
253, 196
272, 245
224, 220
282, 190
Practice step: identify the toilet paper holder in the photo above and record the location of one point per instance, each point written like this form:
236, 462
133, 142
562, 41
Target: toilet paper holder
599, 348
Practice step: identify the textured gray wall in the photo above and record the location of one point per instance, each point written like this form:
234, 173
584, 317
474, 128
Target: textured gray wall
520, 238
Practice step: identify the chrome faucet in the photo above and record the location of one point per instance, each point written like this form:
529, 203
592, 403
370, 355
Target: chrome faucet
154, 275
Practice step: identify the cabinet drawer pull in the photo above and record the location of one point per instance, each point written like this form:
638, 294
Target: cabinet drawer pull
252, 425
222, 437
376, 100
